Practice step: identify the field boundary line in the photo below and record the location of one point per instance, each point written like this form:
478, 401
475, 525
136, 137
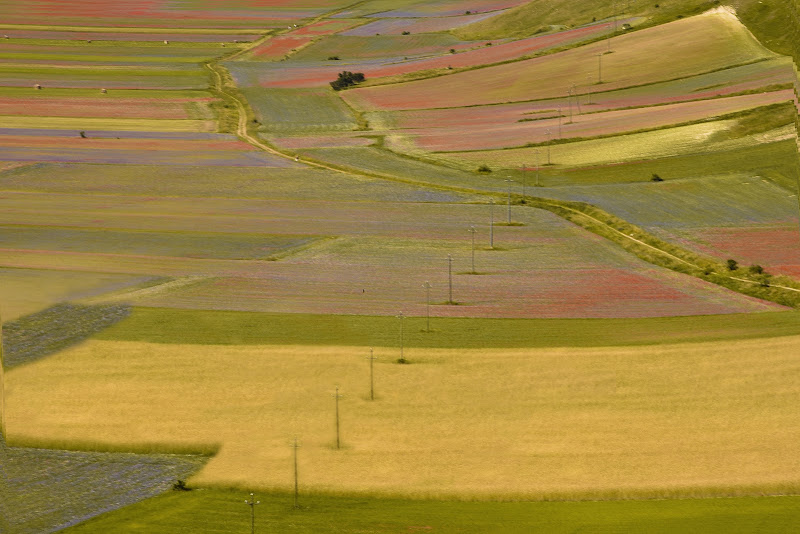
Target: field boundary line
136, 293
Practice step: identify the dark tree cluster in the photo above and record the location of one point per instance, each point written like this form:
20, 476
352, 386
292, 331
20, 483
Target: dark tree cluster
347, 79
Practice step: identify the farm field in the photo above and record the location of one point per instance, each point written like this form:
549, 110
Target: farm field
25, 291
615, 421
191, 181
523, 80
542, 128
700, 138
300, 110
388, 55
201, 241
374, 256
39, 504
212, 511
162, 13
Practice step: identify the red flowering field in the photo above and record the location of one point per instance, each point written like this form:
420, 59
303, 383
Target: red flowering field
468, 54
776, 248
373, 259
164, 13
277, 47
324, 27
511, 133
199, 36
147, 108
636, 59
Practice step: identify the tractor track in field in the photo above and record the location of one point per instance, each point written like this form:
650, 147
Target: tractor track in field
242, 132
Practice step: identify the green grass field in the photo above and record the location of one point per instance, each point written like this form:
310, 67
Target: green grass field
308, 110
160, 325
225, 511
776, 161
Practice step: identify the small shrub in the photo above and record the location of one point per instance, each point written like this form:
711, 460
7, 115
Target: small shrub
656, 178
406, 32
333, 58
452, 50
484, 169
83, 134
180, 485
755, 269
732, 265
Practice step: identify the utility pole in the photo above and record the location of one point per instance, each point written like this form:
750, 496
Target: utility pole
337, 397
295, 446
252, 503
599, 68
524, 176
559, 122
577, 98
569, 98
371, 359
491, 223
588, 88
427, 286
509, 199
472, 230
549, 134
402, 359
537, 167
450, 277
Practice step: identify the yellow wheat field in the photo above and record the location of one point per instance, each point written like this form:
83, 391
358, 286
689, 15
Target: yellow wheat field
696, 419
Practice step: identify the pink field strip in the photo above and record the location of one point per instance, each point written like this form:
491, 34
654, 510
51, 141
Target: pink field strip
514, 134
128, 36
323, 27
120, 144
278, 47
321, 141
163, 13
498, 52
123, 108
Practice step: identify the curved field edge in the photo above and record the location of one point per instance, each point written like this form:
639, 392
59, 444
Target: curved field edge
223, 510
212, 327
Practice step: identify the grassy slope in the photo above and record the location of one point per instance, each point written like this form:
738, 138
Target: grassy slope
217, 511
